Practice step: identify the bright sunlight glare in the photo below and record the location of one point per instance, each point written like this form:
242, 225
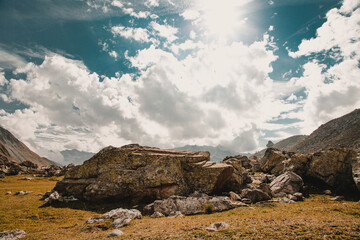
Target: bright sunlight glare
222, 19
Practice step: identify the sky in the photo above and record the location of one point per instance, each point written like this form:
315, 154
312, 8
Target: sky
85, 74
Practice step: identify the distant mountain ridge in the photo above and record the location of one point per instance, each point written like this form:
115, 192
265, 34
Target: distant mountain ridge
340, 132
76, 156
285, 144
217, 154
17, 151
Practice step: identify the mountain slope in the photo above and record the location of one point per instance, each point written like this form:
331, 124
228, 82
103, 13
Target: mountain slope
11, 147
76, 156
217, 154
285, 144
340, 132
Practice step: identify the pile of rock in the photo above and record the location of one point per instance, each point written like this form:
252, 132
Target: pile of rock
195, 204
135, 173
337, 168
9, 167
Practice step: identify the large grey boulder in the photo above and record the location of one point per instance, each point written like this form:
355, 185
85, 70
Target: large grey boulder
333, 167
135, 173
288, 182
272, 161
12, 234
191, 205
239, 178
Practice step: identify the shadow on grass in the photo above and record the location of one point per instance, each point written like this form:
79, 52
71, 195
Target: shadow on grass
97, 207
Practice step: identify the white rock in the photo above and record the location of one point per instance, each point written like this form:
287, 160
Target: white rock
217, 226
116, 233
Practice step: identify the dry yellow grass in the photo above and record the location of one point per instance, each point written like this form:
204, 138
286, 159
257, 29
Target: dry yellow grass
316, 218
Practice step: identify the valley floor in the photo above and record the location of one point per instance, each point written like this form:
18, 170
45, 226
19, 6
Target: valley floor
315, 218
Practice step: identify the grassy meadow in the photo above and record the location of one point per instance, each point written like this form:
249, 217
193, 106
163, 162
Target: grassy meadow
315, 218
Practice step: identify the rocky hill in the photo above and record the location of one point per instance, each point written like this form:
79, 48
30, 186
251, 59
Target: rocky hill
285, 144
340, 132
15, 150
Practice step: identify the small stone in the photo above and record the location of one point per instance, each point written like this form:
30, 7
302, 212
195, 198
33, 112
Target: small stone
94, 220
120, 222
157, 215
8, 193
20, 193
116, 233
327, 192
26, 178
12, 234
337, 198
217, 226
234, 196
299, 196
176, 214
292, 197
246, 200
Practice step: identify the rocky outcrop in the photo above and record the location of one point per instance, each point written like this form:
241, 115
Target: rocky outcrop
8, 167
199, 204
272, 162
138, 173
334, 168
243, 161
288, 182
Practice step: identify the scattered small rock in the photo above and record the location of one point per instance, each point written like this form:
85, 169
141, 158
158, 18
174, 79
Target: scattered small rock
286, 200
116, 233
12, 234
20, 193
299, 196
337, 198
175, 214
94, 220
120, 217
8, 193
217, 226
246, 200
157, 215
26, 178
292, 197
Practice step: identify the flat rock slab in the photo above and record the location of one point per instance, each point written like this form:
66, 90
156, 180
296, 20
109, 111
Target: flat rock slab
133, 173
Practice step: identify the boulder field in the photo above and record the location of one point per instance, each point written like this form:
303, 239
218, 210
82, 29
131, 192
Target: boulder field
143, 174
